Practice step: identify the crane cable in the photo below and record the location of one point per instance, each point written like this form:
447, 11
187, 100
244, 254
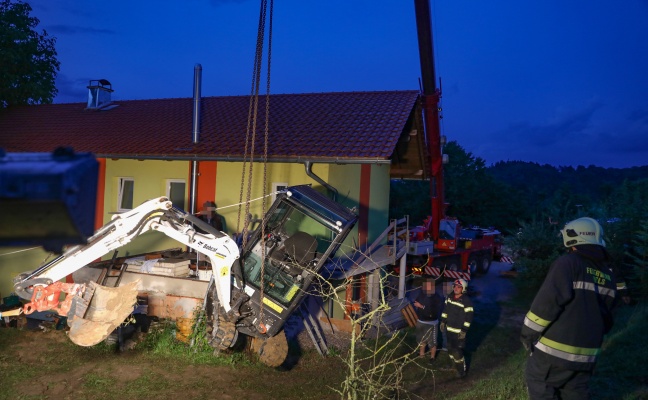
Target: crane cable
250, 137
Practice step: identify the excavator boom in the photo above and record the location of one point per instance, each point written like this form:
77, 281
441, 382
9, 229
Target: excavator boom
93, 311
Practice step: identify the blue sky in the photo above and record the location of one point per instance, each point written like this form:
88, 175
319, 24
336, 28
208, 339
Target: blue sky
557, 82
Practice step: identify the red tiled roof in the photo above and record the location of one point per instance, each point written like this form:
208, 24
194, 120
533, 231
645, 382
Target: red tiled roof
358, 126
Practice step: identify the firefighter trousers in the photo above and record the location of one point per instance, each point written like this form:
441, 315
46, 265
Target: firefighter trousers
456, 352
547, 381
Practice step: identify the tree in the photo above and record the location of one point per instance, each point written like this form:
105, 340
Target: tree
475, 197
379, 356
637, 277
28, 64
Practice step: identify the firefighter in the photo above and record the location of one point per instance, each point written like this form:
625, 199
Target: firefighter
569, 316
455, 321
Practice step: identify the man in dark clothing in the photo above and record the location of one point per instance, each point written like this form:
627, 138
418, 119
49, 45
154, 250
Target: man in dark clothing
456, 318
209, 215
428, 307
563, 331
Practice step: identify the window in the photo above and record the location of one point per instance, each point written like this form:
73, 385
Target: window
276, 186
125, 194
175, 191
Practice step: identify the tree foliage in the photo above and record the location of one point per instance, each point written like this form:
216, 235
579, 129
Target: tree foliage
532, 202
473, 195
534, 247
28, 63
637, 253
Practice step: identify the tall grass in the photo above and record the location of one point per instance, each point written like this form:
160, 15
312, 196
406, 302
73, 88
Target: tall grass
621, 371
161, 343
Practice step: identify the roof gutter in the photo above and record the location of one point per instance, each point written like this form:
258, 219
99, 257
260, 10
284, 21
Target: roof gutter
193, 157
309, 171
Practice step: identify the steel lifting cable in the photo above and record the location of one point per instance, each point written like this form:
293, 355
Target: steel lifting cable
265, 163
250, 134
250, 137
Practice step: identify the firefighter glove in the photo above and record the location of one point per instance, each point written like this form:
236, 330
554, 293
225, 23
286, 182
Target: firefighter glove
442, 327
528, 343
462, 335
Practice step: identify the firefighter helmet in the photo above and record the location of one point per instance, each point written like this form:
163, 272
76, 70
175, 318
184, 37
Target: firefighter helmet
462, 283
583, 231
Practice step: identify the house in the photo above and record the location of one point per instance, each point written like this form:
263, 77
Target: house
348, 144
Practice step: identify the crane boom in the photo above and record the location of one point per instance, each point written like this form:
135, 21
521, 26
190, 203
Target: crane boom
430, 99
442, 247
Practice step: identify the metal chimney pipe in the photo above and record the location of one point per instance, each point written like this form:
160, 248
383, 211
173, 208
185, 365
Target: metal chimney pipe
195, 133
196, 103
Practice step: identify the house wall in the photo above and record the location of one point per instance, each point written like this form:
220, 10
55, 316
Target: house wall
345, 178
228, 187
15, 260
150, 181
351, 181
379, 204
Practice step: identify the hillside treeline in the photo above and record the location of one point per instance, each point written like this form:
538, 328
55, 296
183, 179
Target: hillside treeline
509, 193
530, 203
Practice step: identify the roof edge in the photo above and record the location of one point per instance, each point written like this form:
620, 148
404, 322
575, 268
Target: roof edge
297, 160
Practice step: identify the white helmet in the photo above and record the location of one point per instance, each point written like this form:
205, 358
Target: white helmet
583, 231
462, 283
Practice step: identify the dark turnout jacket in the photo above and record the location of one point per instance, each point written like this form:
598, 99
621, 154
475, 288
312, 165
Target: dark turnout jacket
457, 313
573, 309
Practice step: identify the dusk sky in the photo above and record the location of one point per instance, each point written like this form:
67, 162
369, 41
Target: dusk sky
557, 82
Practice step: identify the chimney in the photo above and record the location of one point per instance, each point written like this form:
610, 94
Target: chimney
196, 103
99, 91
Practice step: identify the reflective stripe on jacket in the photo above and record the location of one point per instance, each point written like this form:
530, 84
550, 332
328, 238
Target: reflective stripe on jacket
457, 313
573, 309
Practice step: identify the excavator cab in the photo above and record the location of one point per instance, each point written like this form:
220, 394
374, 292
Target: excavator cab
302, 231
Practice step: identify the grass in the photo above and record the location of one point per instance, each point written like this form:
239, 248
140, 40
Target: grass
619, 375
621, 372
33, 366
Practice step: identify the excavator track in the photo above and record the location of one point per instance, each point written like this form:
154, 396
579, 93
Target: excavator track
224, 336
223, 332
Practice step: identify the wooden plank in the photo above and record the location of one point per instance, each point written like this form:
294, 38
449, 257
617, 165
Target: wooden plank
410, 315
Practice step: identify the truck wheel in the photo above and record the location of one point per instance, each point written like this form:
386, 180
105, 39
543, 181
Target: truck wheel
473, 265
484, 264
453, 264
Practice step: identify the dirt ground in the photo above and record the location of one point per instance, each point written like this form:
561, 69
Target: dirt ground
309, 378
83, 371
38, 364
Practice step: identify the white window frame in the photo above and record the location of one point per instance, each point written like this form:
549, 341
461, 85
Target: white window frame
169, 182
276, 186
120, 193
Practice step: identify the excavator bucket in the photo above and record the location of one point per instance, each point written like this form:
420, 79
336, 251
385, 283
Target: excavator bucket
101, 310
272, 351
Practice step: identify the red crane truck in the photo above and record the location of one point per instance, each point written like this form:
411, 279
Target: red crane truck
442, 247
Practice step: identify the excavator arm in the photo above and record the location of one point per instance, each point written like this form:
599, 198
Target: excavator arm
94, 311
300, 233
